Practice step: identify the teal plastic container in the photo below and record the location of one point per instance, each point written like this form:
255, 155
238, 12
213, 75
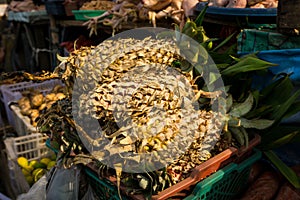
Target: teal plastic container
84, 15
224, 184
103, 188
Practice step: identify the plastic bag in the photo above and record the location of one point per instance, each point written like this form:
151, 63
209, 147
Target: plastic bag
37, 191
90, 194
64, 183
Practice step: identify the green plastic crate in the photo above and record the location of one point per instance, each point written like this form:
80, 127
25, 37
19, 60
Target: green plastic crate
83, 15
48, 144
103, 188
226, 183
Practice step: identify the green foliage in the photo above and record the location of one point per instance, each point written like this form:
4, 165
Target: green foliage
249, 108
287, 172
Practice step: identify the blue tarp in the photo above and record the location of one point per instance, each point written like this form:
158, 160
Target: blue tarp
272, 47
288, 61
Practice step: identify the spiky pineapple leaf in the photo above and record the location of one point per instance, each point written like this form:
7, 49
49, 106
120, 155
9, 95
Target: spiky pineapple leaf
221, 60
238, 135
286, 171
229, 102
277, 132
279, 93
280, 110
281, 141
213, 77
256, 123
293, 109
224, 42
255, 94
261, 111
246, 136
189, 29
200, 17
246, 64
240, 109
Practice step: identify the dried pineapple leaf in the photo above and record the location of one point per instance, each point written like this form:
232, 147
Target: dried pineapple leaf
61, 58
144, 183
118, 168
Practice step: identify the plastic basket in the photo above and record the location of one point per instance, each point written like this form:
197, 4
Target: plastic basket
204, 170
226, 183
237, 16
21, 123
31, 146
12, 92
82, 15
103, 188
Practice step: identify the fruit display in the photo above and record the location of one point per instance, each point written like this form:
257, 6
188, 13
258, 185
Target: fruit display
99, 72
96, 78
34, 102
97, 5
125, 11
33, 170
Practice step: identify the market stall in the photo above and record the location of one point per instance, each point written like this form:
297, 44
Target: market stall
146, 103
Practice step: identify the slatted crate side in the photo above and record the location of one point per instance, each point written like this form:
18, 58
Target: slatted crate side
32, 147
21, 123
13, 92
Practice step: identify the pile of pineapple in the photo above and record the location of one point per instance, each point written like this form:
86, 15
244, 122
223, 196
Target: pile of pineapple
123, 74
96, 82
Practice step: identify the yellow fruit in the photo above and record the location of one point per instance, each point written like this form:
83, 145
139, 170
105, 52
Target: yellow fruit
25, 172
39, 174
39, 165
37, 171
22, 161
32, 163
28, 168
45, 160
29, 180
51, 164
